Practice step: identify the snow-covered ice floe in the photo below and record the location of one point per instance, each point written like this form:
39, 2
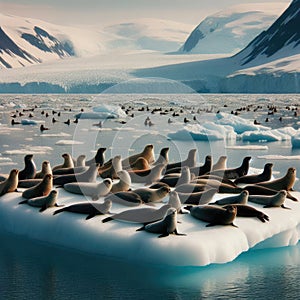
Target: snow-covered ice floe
279, 157
68, 142
103, 112
201, 246
29, 149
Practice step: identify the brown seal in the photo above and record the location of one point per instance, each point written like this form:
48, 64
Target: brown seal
86, 208
236, 172
113, 169
140, 164
256, 178
147, 176
190, 161
43, 202
276, 200
68, 162
163, 157
10, 184
152, 195
41, 189
284, 183
199, 198
250, 212
182, 178
124, 182
242, 198
46, 169
166, 226
143, 215
147, 153
220, 164
128, 198
214, 215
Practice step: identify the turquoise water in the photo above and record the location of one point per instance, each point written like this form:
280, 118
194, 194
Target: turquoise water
31, 270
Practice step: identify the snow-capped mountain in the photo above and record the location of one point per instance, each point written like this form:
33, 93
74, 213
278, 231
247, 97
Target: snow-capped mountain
282, 39
230, 30
26, 41
149, 34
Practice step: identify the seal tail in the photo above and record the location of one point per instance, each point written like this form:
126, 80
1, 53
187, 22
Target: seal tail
23, 202
90, 216
58, 211
141, 228
107, 219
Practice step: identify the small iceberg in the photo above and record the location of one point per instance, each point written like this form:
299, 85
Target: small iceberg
296, 141
205, 132
28, 122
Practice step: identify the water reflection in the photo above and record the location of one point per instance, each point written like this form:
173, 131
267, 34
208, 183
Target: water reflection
33, 270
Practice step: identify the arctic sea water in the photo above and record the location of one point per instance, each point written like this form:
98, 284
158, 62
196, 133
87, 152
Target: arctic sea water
31, 269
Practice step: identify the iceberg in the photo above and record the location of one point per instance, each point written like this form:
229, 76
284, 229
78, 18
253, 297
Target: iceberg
112, 110
239, 124
296, 141
272, 135
28, 122
119, 240
206, 132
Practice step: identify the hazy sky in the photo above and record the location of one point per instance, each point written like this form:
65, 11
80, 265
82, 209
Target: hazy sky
112, 11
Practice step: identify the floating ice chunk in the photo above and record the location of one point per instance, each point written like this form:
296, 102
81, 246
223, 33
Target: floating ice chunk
61, 134
247, 147
239, 124
279, 157
266, 135
206, 132
28, 122
68, 142
29, 150
112, 110
296, 141
95, 115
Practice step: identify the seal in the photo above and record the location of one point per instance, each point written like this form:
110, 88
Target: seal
88, 176
28, 183
46, 169
80, 161
260, 190
189, 162
214, 215
99, 158
147, 176
41, 189
68, 171
43, 202
173, 180
221, 164
125, 198
220, 186
115, 167
140, 164
29, 170
250, 212
124, 182
190, 188
157, 185
163, 157
199, 198
270, 201
234, 173
284, 183
174, 201
213, 178
10, 184
89, 209
147, 153
166, 226
68, 162
264, 176
92, 189
143, 215
206, 168
242, 198
152, 195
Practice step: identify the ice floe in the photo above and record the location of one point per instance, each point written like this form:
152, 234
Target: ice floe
201, 246
68, 142
28, 149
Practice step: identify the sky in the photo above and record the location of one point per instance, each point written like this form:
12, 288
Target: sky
70, 12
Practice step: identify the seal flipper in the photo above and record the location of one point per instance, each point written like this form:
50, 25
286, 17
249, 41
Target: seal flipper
58, 211
285, 207
44, 207
57, 205
107, 219
176, 233
233, 225
163, 235
140, 229
263, 217
23, 202
90, 216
